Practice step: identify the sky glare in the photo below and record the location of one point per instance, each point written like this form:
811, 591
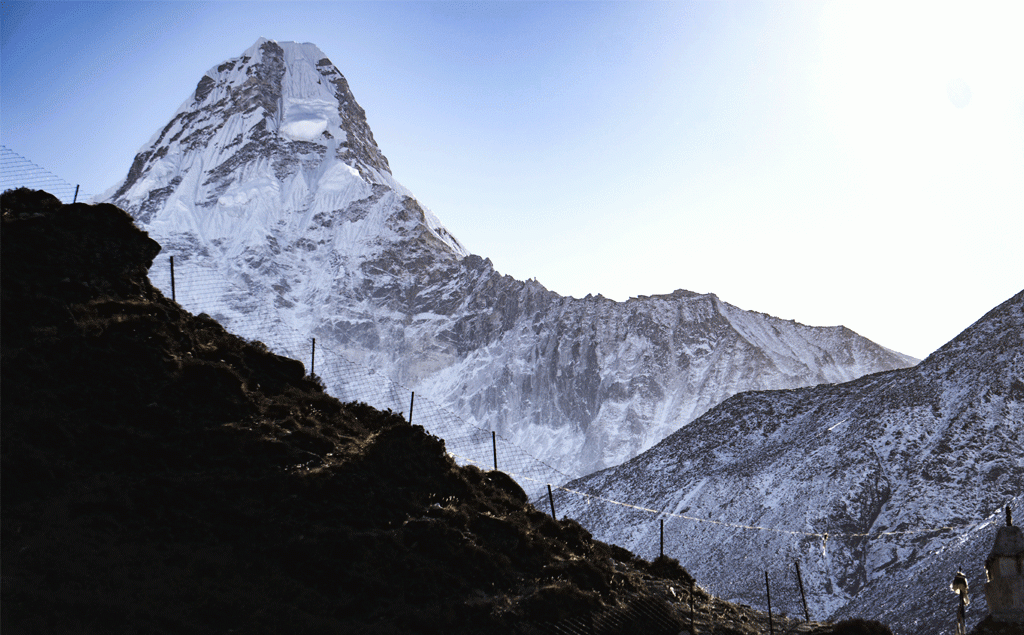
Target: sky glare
827, 162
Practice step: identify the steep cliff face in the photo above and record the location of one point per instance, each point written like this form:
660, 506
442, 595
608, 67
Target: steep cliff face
625, 375
880, 487
282, 215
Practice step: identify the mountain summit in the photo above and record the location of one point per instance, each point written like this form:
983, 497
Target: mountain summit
283, 103
283, 218
265, 136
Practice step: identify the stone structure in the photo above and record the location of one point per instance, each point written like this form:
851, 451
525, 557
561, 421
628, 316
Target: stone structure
1004, 590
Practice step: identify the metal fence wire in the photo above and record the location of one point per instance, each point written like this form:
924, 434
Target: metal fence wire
228, 297
214, 292
17, 171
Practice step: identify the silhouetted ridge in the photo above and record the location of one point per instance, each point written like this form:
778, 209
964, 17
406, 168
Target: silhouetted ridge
162, 475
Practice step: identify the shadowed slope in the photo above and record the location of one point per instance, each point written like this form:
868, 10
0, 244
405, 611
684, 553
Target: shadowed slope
162, 475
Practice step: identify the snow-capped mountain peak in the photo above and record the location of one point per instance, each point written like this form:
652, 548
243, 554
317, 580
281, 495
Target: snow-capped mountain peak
265, 136
269, 190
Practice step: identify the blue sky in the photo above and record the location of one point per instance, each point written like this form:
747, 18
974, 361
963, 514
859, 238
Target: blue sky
818, 161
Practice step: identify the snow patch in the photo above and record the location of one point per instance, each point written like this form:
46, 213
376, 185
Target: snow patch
307, 119
338, 176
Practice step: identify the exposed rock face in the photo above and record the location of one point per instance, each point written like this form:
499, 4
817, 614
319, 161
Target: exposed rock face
269, 191
899, 469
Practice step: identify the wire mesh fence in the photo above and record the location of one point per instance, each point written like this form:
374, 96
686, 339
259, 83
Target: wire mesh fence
17, 171
228, 297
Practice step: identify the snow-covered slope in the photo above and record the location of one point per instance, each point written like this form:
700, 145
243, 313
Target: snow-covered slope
900, 469
269, 191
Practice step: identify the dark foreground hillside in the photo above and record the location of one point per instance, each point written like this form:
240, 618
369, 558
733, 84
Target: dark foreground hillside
160, 475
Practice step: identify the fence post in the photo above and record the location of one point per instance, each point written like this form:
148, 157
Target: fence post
312, 358
412, 400
961, 627
800, 581
691, 606
551, 498
494, 446
959, 586
75, 200
173, 298
768, 591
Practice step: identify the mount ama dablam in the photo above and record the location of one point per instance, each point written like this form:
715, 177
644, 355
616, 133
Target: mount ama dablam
269, 191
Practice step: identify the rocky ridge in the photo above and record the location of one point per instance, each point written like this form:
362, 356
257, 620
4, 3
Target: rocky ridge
880, 487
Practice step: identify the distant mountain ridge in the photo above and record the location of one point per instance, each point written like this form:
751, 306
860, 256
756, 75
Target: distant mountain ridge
868, 484
268, 179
